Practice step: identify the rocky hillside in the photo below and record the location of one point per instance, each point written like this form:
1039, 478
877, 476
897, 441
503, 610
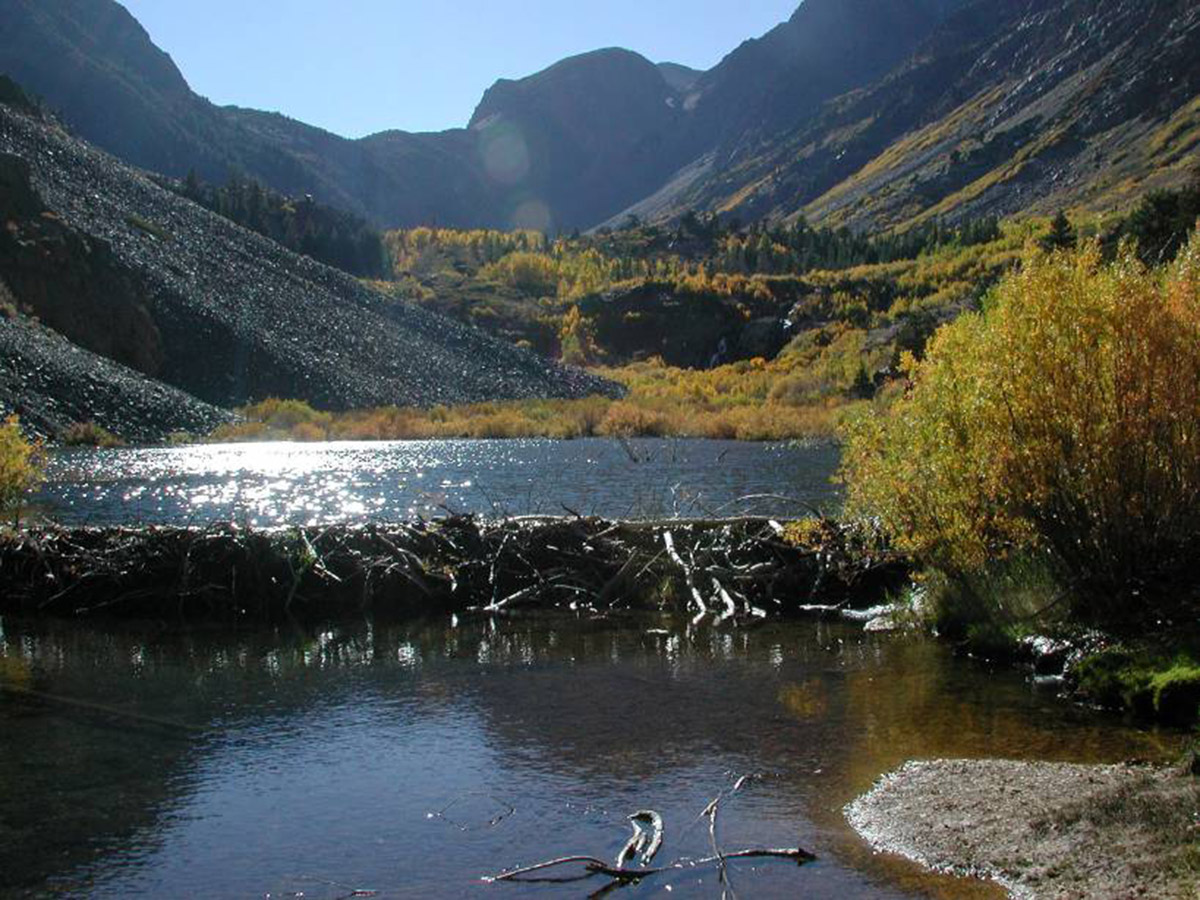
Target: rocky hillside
869, 113
119, 265
1001, 108
52, 384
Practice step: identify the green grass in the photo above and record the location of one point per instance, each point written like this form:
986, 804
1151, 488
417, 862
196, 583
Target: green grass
151, 228
1150, 685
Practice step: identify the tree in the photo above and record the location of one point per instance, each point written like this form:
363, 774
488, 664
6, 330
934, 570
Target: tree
1061, 235
21, 467
575, 337
1163, 220
1062, 422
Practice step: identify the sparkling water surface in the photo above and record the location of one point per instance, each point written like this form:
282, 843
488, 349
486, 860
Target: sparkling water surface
286, 483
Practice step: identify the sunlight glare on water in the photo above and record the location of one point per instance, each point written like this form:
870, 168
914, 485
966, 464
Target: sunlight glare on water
313, 484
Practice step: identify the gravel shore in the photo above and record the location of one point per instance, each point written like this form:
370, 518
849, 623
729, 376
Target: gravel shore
1042, 830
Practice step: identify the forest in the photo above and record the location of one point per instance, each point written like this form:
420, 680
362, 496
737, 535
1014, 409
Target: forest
328, 235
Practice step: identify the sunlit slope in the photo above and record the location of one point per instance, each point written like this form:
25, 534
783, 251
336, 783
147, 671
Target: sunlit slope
1007, 108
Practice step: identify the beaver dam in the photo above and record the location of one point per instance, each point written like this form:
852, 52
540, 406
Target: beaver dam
723, 569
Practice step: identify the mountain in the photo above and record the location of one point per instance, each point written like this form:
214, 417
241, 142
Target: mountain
578, 142
868, 113
828, 47
97, 68
564, 148
1001, 108
138, 274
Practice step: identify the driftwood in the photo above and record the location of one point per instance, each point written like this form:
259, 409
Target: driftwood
723, 569
648, 845
595, 866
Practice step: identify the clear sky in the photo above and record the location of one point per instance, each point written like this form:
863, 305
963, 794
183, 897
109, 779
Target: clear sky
359, 66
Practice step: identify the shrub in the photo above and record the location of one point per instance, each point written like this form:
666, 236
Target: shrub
1176, 693
21, 467
89, 434
1065, 420
530, 273
1150, 686
284, 414
627, 420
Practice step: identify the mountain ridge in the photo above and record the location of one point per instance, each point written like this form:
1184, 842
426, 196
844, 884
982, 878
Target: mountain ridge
812, 118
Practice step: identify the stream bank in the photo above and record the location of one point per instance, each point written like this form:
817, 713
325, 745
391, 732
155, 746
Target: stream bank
1040, 829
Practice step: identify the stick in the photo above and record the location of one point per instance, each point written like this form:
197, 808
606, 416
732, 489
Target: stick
656, 839
100, 708
599, 867
633, 846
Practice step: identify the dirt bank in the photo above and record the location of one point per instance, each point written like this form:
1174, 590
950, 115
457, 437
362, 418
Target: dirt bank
1043, 830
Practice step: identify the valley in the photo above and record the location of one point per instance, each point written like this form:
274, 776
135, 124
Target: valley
793, 460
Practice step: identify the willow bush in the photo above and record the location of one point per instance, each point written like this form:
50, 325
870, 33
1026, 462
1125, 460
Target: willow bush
20, 467
1063, 421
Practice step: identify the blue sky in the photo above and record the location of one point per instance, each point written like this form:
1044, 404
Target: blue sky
360, 66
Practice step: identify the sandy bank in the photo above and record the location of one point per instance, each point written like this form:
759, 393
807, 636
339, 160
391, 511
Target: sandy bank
1043, 830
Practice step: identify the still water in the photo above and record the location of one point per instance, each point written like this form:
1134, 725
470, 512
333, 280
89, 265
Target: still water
414, 759
282, 483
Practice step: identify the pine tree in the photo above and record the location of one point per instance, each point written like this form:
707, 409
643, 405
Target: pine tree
1062, 234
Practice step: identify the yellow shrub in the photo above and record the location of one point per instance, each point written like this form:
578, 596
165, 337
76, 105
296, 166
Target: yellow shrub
1066, 418
533, 273
627, 420
21, 467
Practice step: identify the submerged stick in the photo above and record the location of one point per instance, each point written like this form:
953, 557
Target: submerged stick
710, 812
100, 708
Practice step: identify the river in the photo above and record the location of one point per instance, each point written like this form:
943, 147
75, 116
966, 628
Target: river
414, 759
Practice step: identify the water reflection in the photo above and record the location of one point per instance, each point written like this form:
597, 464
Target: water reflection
211, 764
269, 484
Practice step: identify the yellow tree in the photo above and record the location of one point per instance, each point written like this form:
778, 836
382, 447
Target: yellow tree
21, 467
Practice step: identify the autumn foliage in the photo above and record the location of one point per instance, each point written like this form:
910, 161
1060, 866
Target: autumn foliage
1062, 421
20, 467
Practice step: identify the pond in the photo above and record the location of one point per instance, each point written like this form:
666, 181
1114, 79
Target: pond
284, 483
414, 759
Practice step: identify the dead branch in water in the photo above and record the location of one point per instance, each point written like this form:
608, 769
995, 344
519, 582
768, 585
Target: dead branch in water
723, 570
648, 844
597, 866
710, 812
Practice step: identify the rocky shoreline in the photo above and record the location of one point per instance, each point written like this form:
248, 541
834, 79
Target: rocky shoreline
1042, 830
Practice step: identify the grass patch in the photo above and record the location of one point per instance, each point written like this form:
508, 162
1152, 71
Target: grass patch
89, 434
151, 228
1149, 684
